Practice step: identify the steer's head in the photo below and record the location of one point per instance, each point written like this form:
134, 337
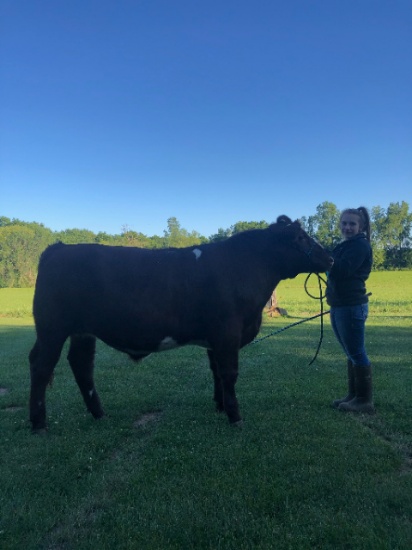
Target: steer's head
306, 255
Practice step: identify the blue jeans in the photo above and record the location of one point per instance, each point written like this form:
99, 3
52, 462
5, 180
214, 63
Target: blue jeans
348, 323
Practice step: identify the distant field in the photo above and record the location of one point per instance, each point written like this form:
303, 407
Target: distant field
164, 471
16, 302
391, 294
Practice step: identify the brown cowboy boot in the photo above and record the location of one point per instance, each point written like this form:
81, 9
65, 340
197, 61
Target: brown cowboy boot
351, 386
363, 401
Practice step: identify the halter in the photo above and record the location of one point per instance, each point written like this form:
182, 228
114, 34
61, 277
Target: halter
309, 252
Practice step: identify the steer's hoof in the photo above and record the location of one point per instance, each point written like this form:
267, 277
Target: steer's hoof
98, 414
39, 431
237, 424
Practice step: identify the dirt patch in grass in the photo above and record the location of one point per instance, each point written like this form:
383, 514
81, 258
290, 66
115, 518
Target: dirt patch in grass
395, 440
3, 391
146, 419
13, 408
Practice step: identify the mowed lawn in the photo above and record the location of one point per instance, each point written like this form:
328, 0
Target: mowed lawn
163, 470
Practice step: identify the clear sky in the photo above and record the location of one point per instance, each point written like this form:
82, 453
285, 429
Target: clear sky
121, 113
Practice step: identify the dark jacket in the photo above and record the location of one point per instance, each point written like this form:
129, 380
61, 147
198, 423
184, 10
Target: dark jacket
352, 266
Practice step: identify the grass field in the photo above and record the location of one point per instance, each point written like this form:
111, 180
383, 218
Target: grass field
164, 471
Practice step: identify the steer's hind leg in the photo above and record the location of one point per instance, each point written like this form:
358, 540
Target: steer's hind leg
81, 359
43, 358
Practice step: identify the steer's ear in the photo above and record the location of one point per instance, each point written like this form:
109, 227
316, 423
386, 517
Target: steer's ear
283, 220
281, 223
285, 225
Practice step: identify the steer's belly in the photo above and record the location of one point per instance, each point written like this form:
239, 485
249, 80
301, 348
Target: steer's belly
145, 348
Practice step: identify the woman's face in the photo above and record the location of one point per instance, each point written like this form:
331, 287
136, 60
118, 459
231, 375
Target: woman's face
349, 225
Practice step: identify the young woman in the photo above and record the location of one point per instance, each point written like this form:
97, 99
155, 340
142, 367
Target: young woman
348, 300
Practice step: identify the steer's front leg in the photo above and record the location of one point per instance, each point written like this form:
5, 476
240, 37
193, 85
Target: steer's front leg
227, 364
217, 381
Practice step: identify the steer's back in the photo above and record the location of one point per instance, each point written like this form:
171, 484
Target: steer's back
103, 289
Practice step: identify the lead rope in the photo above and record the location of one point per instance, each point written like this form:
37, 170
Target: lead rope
321, 314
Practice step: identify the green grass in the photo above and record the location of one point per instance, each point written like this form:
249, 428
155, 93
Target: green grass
164, 471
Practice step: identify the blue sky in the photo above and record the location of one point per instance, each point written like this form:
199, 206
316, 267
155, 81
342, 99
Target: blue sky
126, 113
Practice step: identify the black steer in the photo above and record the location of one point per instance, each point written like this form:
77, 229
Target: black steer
140, 301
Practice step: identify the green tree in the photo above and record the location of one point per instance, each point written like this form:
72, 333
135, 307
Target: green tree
20, 249
245, 226
5, 221
75, 236
238, 227
378, 217
105, 238
221, 235
324, 225
132, 238
21, 243
156, 242
176, 236
392, 235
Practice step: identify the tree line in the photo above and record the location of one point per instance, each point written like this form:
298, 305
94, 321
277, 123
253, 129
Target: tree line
21, 243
